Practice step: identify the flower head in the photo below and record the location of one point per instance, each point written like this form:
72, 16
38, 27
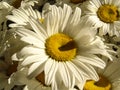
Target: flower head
61, 47
21, 16
104, 15
109, 78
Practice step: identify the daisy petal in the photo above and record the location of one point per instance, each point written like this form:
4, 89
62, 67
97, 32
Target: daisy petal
51, 67
34, 67
34, 58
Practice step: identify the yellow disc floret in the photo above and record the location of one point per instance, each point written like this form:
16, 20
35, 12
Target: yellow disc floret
41, 20
108, 13
61, 47
102, 84
77, 1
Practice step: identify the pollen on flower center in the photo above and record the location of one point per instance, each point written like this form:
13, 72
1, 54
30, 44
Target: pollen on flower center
61, 47
41, 20
102, 84
108, 13
77, 1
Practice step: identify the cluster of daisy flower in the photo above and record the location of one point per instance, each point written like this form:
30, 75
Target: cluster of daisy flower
59, 44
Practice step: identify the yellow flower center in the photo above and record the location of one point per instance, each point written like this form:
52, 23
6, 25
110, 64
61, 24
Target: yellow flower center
77, 1
41, 20
108, 13
61, 47
12, 68
102, 84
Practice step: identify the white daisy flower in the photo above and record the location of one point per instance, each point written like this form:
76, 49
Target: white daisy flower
109, 78
104, 14
18, 3
26, 3
61, 48
21, 16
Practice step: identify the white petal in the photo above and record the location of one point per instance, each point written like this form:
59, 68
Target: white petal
16, 20
20, 14
97, 3
48, 25
33, 41
14, 57
28, 33
65, 17
87, 69
29, 50
51, 67
33, 70
54, 85
75, 70
33, 59
73, 21
37, 27
66, 75
56, 20
93, 60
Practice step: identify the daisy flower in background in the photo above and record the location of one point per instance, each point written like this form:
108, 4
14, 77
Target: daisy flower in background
20, 17
103, 14
113, 42
109, 78
18, 3
9, 76
61, 47
27, 3
72, 3
5, 9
